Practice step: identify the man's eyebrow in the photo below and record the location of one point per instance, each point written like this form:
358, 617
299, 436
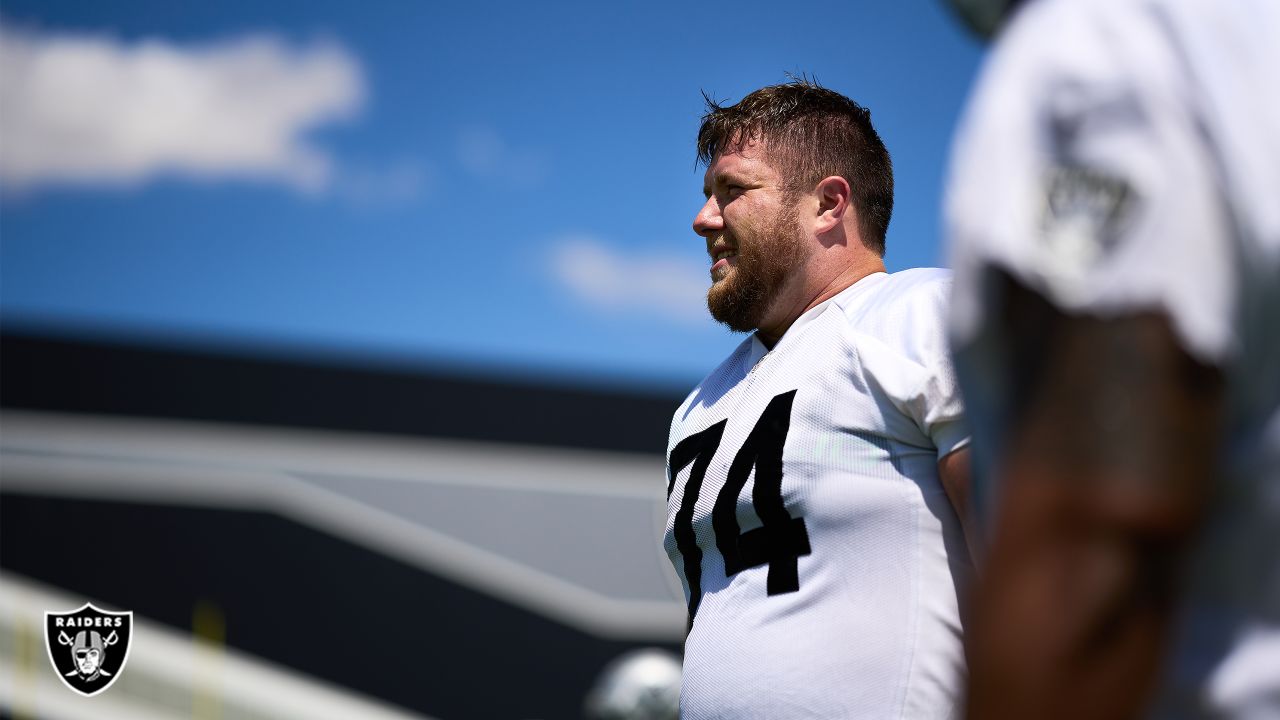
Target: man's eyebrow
706, 186
722, 178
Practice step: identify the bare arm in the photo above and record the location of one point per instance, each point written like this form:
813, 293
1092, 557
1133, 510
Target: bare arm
954, 472
1106, 474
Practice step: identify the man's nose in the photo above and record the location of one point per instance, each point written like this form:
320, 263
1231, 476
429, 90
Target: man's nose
708, 220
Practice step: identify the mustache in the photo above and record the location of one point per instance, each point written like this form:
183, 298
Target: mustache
720, 243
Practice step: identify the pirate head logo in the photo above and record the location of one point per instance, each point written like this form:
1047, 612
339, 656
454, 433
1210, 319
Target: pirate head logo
88, 647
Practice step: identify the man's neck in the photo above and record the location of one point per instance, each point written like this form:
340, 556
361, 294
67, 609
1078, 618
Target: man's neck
818, 293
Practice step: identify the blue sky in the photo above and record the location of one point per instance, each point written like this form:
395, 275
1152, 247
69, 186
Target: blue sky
502, 187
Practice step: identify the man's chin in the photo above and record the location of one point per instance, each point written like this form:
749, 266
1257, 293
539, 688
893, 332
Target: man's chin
730, 310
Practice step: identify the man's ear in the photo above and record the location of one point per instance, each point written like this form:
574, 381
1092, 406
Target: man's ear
834, 202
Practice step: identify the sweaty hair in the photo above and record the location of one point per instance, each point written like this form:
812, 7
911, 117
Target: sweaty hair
810, 133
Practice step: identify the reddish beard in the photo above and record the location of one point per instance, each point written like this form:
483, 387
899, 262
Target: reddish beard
766, 259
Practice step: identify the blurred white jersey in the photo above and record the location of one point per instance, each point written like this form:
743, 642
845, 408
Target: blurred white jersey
806, 519
1122, 156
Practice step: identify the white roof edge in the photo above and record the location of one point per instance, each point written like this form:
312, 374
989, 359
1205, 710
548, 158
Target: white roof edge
45, 455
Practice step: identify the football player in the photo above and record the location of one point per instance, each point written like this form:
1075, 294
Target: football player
809, 474
1115, 233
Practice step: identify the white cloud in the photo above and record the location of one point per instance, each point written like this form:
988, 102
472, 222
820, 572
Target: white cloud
92, 109
395, 185
673, 286
483, 153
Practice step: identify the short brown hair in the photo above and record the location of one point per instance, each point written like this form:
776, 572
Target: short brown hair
812, 133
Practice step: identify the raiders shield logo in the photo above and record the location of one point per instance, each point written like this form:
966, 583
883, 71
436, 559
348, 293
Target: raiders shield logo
88, 647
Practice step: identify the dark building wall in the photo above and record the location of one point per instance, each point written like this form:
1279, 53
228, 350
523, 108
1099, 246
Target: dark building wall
290, 593
105, 378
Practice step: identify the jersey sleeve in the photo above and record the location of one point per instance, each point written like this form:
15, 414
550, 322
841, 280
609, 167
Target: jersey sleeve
936, 405
1080, 170
909, 362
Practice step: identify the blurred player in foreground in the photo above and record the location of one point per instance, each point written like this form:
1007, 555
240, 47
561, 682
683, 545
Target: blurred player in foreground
1114, 211
808, 475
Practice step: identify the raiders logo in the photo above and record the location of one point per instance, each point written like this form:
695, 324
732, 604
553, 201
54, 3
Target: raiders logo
88, 647
1086, 213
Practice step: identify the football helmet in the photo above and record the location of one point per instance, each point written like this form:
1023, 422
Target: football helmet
984, 17
641, 684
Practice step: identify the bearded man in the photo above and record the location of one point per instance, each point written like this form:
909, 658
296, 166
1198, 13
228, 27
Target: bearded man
817, 478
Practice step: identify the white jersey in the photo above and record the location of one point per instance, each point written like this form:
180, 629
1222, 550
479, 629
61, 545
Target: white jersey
807, 522
1122, 156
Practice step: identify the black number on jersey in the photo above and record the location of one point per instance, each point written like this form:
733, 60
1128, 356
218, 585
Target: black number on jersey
779, 541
